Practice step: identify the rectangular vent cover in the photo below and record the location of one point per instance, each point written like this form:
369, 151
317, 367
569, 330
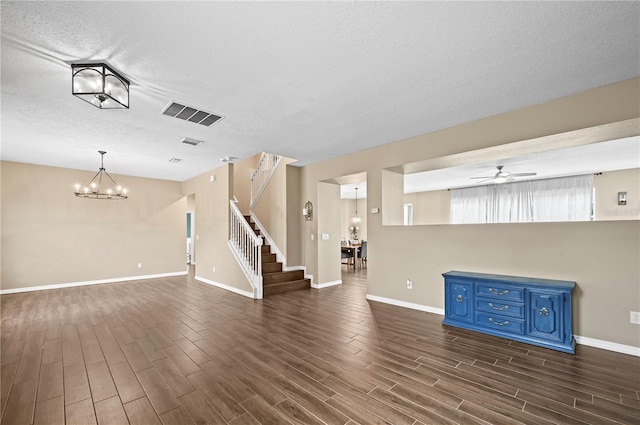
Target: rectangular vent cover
190, 141
190, 114
175, 160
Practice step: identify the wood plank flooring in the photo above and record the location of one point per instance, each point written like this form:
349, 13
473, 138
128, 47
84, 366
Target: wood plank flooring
177, 351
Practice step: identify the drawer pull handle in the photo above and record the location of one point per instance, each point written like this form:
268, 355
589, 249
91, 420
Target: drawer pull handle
544, 312
493, 291
506, 322
459, 298
506, 307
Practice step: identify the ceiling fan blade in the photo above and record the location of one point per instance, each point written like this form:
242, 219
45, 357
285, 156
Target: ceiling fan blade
483, 177
486, 179
523, 174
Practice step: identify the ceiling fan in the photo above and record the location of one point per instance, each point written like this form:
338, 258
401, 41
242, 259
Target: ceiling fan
503, 176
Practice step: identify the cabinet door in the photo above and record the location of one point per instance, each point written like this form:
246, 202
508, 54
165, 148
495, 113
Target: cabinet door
546, 315
459, 304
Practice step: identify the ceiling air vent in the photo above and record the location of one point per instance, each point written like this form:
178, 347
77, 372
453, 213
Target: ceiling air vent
175, 160
192, 142
190, 114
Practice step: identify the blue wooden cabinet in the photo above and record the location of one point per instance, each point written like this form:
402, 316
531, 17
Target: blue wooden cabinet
534, 311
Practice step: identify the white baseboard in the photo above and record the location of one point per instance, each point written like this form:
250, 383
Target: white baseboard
582, 340
225, 287
606, 345
89, 282
406, 304
326, 285
308, 276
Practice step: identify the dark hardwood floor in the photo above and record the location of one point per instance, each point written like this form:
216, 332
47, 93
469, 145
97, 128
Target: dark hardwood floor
177, 351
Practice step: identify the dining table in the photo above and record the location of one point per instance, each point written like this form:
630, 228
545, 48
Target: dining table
353, 248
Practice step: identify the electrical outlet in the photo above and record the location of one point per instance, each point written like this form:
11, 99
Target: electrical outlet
635, 317
409, 284
214, 269
139, 265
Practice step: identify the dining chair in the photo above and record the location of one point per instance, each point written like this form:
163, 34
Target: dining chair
362, 254
348, 255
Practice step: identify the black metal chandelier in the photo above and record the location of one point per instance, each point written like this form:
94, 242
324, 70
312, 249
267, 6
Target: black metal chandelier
101, 186
99, 85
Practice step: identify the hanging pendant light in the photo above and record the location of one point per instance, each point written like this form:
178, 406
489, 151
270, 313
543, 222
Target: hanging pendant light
101, 186
355, 219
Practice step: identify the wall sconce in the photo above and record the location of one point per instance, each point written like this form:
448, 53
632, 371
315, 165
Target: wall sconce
622, 198
307, 211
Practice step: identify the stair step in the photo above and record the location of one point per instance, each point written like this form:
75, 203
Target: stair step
272, 267
278, 277
268, 258
275, 281
278, 288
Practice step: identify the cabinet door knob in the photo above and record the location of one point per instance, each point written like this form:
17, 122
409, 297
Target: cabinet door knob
459, 298
544, 312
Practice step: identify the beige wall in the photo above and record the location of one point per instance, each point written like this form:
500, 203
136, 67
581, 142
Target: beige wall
242, 171
271, 208
607, 185
602, 257
212, 228
294, 217
392, 198
328, 224
433, 207
49, 236
347, 209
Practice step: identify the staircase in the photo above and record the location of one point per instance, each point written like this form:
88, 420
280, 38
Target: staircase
274, 280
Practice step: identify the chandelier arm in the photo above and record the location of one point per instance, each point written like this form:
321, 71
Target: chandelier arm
110, 178
93, 179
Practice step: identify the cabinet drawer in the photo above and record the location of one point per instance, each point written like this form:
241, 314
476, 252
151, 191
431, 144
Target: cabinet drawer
504, 308
500, 323
498, 291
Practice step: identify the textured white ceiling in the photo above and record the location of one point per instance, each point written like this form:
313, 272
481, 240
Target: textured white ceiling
308, 80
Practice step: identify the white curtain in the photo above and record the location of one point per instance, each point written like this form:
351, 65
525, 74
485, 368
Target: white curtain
563, 199
559, 199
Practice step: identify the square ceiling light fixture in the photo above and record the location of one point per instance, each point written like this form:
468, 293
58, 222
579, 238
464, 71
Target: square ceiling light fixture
100, 85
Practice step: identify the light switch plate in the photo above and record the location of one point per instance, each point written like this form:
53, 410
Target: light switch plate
325, 236
375, 210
